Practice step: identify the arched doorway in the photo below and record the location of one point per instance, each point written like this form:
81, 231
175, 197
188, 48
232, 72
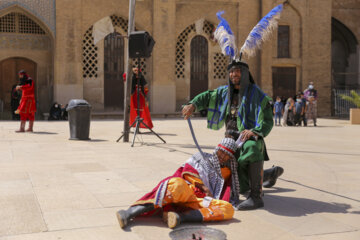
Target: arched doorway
345, 57
113, 71
9, 69
23, 37
198, 65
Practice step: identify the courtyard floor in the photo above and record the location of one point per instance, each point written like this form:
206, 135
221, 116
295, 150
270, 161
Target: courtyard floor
53, 188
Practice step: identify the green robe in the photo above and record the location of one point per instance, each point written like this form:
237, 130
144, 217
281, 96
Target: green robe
255, 113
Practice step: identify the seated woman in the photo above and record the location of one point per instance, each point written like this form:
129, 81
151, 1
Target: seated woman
205, 188
55, 112
289, 113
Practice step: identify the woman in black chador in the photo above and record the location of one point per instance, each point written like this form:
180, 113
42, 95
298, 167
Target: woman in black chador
15, 100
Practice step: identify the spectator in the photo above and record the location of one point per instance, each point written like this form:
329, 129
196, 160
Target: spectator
303, 102
278, 110
64, 113
299, 110
311, 110
310, 91
55, 112
289, 113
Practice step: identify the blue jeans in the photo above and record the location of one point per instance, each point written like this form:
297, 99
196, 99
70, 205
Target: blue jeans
278, 116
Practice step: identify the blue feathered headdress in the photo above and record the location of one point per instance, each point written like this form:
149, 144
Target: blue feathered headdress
225, 36
261, 32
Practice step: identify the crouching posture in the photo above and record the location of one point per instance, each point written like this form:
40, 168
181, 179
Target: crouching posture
204, 189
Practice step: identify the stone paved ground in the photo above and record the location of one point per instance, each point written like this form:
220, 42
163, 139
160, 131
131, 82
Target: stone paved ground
52, 188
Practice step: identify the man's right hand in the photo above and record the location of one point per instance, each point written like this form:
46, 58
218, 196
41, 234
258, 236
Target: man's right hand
188, 110
203, 188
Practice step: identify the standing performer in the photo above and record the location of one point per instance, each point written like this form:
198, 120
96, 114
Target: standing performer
143, 102
27, 106
205, 188
244, 109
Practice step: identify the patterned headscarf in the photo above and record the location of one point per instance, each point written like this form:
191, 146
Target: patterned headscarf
210, 170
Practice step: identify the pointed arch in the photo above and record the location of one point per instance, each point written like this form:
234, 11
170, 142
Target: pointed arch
90, 51
344, 56
28, 18
182, 39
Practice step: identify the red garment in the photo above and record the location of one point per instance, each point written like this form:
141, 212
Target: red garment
156, 195
27, 105
144, 110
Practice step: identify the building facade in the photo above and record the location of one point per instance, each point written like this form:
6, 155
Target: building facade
317, 41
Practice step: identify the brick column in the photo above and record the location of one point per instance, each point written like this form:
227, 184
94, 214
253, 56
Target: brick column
163, 97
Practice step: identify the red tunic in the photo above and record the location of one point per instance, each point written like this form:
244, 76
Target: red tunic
144, 110
27, 105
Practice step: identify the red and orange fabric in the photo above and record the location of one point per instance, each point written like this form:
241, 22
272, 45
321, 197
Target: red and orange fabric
180, 192
27, 107
143, 108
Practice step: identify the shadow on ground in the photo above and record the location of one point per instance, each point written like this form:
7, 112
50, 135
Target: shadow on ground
44, 133
157, 222
297, 207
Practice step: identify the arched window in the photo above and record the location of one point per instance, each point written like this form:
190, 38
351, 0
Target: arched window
19, 23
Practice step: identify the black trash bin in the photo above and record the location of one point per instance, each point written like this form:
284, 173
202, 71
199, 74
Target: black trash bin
79, 119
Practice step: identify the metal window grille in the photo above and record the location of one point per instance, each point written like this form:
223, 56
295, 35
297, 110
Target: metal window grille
220, 64
284, 41
341, 106
19, 23
90, 51
208, 28
7, 23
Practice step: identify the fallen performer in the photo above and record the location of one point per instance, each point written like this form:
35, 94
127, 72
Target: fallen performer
203, 189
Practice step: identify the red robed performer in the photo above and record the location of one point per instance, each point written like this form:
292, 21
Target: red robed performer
143, 103
27, 107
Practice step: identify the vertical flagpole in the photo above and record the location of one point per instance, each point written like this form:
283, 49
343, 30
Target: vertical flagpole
128, 72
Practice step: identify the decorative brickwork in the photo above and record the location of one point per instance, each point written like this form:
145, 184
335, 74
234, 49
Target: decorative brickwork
19, 23
180, 46
90, 51
142, 64
220, 64
42, 9
90, 55
30, 42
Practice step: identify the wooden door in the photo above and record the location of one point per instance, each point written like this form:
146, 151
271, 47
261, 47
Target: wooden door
199, 66
9, 69
113, 71
284, 81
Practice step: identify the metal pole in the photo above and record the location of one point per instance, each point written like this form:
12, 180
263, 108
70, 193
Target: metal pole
128, 72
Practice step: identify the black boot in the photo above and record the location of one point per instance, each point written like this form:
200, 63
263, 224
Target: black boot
254, 200
173, 219
271, 175
125, 216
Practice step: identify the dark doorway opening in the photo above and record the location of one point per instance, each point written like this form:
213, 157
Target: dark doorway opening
199, 66
113, 71
9, 69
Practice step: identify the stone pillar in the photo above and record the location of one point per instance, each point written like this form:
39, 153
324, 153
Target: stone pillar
317, 52
163, 97
68, 81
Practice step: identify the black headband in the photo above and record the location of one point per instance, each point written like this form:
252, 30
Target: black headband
237, 64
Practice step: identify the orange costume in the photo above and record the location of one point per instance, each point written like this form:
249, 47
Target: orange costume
203, 189
183, 195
